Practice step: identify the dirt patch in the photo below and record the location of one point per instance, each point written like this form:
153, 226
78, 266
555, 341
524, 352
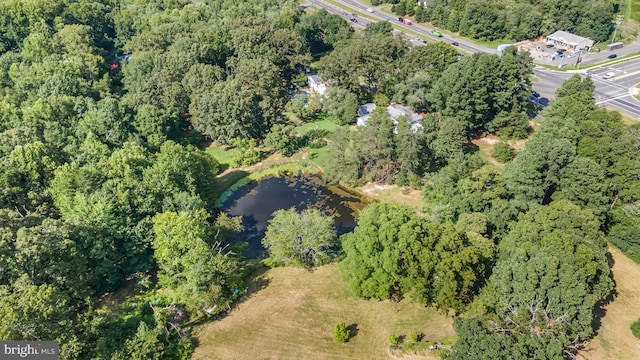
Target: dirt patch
394, 193
490, 139
485, 144
518, 145
372, 188
614, 339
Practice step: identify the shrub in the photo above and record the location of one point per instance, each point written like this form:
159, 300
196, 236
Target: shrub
341, 333
245, 153
414, 337
503, 152
393, 340
635, 329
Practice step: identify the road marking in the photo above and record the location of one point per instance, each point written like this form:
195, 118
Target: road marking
610, 83
626, 75
611, 99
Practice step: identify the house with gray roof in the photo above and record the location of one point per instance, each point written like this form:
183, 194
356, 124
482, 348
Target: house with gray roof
396, 111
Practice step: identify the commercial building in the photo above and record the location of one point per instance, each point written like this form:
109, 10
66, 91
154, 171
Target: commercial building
569, 41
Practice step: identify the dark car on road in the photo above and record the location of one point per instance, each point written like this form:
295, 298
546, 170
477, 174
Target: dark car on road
455, 43
612, 56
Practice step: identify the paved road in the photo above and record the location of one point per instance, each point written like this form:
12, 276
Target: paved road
349, 6
612, 93
361, 22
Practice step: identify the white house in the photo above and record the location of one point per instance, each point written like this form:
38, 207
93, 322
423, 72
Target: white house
396, 111
316, 84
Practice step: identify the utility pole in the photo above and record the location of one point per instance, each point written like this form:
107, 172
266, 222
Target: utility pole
619, 20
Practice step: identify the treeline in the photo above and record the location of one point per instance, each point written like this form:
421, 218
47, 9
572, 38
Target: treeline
512, 20
550, 213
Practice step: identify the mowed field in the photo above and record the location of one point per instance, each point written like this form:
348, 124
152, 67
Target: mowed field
615, 340
291, 313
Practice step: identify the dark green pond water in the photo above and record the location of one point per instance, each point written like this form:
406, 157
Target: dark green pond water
257, 201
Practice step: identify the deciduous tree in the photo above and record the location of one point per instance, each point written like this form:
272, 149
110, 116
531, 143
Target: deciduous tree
305, 238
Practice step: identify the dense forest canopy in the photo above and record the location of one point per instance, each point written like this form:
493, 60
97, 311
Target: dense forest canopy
105, 109
513, 20
101, 183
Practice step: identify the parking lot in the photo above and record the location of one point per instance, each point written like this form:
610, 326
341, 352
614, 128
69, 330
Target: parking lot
544, 54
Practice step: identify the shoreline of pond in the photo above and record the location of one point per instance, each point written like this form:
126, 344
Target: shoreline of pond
257, 195
288, 168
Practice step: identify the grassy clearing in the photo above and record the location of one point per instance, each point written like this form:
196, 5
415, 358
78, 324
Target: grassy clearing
326, 124
293, 311
614, 339
224, 155
631, 10
319, 156
310, 161
634, 10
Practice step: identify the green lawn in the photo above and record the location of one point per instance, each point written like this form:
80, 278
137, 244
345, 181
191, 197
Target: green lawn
290, 314
222, 154
631, 10
325, 124
634, 10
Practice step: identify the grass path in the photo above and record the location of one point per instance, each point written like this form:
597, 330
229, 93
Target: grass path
293, 311
615, 340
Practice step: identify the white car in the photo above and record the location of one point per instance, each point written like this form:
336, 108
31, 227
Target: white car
608, 75
370, 10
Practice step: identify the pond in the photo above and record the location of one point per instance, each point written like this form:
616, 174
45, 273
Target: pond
258, 200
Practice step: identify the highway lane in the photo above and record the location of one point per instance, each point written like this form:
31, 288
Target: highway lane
361, 22
424, 32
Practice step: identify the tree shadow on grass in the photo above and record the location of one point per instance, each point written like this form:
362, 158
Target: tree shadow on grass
599, 310
353, 330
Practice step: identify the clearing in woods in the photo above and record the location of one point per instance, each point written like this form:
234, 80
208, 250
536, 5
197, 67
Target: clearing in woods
615, 340
293, 311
